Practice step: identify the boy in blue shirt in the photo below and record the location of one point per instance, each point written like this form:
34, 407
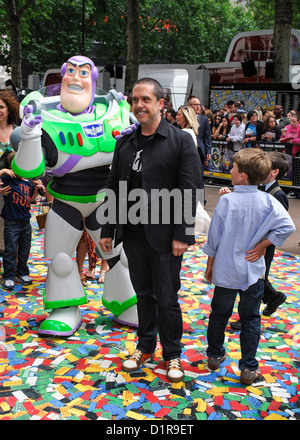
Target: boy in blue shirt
18, 195
243, 224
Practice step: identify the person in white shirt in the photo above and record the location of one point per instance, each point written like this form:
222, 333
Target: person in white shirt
237, 133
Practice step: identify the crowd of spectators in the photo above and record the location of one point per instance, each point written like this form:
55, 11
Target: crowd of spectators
255, 125
242, 128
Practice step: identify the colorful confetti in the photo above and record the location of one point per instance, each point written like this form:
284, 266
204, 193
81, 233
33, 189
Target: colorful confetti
81, 377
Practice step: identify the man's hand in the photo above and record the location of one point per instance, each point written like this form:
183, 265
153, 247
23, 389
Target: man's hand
179, 248
105, 244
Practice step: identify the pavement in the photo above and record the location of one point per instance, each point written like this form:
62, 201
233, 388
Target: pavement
81, 377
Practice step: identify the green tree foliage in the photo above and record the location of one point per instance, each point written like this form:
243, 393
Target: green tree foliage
59, 35
186, 31
193, 31
264, 13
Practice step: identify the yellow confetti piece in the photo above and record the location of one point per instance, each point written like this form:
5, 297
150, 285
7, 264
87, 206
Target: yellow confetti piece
26, 352
4, 406
135, 415
71, 358
254, 390
62, 371
82, 387
130, 346
177, 385
201, 407
42, 406
235, 355
187, 411
127, 395
295, 329
93, 368
76, 401
218, 391
126, 377
19, 414
274, 416
11, 383
268, 378
202, 366
65, 411
175, 396
90, 342
284, 360
77, 412
62, 390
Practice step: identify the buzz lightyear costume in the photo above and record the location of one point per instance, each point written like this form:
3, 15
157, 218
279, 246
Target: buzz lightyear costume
75, 149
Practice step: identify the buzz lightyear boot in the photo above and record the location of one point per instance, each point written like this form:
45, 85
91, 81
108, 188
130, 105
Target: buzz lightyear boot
64, 292
118, 296
62, 281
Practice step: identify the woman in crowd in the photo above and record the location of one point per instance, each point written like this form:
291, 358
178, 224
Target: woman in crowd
254, 130
292, 135
187, 119
217, 121
237, 133
9, 115
210, 116
222, 130
272, 130
290, 114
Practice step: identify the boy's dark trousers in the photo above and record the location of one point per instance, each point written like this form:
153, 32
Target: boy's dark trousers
221, 309
17, 241
269, 292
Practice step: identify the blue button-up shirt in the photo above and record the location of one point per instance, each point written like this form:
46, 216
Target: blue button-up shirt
242, 219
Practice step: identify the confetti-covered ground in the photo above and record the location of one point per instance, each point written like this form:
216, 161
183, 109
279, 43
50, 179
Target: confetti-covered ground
80, 377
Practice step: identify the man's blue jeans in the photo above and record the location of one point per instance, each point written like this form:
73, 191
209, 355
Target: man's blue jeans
17, 241
248, 308
156, 279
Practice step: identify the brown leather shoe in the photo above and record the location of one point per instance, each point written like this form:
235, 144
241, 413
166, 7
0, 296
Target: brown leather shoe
214, 363
249, 376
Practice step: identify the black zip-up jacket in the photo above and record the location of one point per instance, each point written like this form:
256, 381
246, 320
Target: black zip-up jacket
169, 161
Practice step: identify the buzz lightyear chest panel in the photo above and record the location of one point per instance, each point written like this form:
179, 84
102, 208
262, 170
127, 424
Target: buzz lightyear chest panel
85, 138
82, 134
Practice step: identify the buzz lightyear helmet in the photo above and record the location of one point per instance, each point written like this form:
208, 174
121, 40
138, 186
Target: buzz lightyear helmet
94, 71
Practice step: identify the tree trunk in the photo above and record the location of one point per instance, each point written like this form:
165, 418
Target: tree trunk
15, 38
282, 38
133, 44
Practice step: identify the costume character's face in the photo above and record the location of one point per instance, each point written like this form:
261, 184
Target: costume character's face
76, 89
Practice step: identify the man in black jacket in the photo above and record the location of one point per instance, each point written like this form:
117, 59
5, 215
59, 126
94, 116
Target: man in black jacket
154, 160
204, 132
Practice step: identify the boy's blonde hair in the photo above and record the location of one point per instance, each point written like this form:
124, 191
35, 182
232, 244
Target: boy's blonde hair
255, 163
